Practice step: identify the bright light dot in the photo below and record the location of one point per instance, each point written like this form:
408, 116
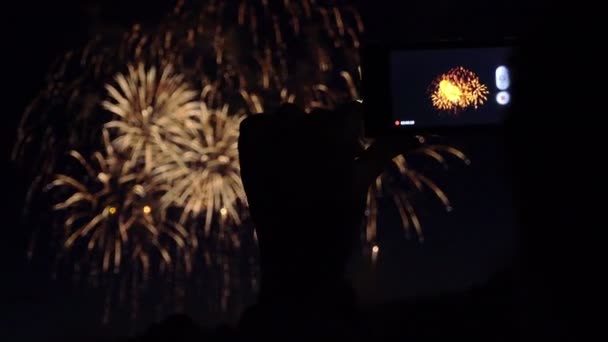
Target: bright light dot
223, 211
503, 98
458, 89
451, 91
223, 159
147, 209
112, 210
375, 249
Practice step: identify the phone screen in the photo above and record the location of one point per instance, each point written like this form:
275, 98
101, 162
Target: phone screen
450, 87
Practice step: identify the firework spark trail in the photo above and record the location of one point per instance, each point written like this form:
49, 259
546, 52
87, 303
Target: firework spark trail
417, 183
457, 90
307, 40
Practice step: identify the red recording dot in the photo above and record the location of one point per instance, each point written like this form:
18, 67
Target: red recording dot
397, 123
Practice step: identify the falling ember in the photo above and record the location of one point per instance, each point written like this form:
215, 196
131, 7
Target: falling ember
458, 89
375, 251
223, 212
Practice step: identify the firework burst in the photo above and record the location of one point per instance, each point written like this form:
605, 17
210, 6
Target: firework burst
203, 169
110, 213
148, 106
66, 114
457, 90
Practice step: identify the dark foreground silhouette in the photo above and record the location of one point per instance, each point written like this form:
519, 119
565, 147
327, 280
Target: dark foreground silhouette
485, 313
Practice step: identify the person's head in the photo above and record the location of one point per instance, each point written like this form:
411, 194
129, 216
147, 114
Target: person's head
298, 176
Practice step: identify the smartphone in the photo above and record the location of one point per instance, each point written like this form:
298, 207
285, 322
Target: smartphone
447, 87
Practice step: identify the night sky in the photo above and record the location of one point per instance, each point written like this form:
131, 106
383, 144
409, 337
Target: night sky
462, 248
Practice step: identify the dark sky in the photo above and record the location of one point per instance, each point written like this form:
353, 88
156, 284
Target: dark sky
461, 248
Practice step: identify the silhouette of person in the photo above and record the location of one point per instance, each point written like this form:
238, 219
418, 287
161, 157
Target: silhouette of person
306, 179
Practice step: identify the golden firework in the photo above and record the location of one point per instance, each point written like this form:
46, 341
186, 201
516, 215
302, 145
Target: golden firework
257, 50
384, 185
147, 105
108, 213
203, 168
457, 90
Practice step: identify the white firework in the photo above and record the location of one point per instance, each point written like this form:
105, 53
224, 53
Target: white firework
148, 106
